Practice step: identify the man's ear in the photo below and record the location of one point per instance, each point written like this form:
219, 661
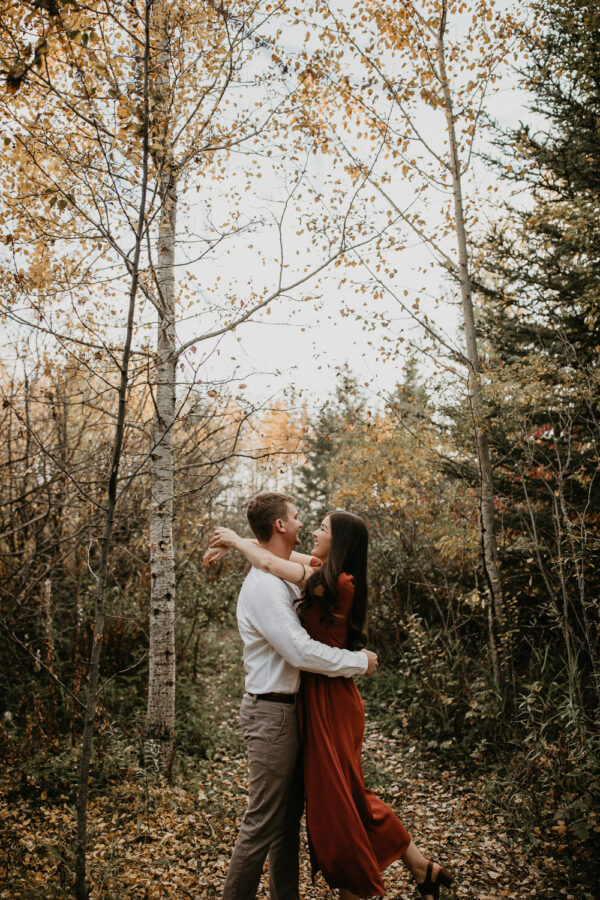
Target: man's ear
278, 525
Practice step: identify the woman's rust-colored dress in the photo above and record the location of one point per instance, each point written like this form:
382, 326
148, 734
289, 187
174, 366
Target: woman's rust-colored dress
353, 835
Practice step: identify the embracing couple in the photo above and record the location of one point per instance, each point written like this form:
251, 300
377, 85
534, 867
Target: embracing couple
307, 614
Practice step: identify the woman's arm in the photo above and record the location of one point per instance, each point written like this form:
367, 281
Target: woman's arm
290, 570
305, 559
212, 555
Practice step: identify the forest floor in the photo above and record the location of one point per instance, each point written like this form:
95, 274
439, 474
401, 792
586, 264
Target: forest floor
149, 839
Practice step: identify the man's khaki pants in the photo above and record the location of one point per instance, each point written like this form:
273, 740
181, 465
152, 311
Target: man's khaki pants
271, 824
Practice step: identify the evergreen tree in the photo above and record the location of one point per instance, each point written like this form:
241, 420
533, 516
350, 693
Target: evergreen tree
409, 402
540, 319
325, 439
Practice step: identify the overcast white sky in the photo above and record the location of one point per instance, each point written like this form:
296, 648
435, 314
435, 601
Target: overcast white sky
299, 347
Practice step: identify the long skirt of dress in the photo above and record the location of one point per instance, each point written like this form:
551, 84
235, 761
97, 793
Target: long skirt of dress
353, 835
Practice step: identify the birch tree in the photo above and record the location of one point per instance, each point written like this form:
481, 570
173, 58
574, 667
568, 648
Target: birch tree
201, 61
79, 157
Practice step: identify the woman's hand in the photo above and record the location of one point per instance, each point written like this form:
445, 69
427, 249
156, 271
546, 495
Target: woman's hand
260, 557
213, 555
224, 537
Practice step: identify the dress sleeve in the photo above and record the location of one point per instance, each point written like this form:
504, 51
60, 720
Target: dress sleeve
278, 623
345, 586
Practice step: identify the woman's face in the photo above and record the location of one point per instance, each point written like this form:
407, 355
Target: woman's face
322, 538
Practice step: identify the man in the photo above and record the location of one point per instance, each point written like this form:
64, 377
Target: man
276, 648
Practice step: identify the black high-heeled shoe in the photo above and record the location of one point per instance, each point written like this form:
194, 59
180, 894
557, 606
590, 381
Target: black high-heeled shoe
428, 886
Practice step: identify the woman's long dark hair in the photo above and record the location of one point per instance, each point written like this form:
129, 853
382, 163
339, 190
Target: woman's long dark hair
347, 553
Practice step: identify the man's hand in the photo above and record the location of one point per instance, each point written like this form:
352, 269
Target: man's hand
213, 555
372, 661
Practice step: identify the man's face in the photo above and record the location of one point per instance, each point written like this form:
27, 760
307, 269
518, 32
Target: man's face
291, 526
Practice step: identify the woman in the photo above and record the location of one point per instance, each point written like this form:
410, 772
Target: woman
353, 835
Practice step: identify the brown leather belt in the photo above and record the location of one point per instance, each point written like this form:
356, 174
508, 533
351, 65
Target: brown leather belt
275, 698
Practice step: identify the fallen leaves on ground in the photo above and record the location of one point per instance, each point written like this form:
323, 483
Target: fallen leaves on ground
149, 839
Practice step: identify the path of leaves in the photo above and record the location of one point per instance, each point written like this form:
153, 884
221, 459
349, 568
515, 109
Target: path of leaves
152, 840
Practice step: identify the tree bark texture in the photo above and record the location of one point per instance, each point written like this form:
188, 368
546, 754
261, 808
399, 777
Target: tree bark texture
160, 717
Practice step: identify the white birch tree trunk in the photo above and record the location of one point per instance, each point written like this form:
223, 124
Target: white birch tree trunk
160, 717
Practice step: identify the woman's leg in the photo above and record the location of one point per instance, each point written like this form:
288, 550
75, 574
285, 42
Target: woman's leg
416, 864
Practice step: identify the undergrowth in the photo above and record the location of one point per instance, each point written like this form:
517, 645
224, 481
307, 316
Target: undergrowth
537, 762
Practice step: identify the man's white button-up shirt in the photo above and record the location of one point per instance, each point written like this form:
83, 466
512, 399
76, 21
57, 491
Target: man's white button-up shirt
276, 646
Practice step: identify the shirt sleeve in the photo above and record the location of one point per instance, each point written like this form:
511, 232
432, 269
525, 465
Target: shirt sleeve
278, 623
